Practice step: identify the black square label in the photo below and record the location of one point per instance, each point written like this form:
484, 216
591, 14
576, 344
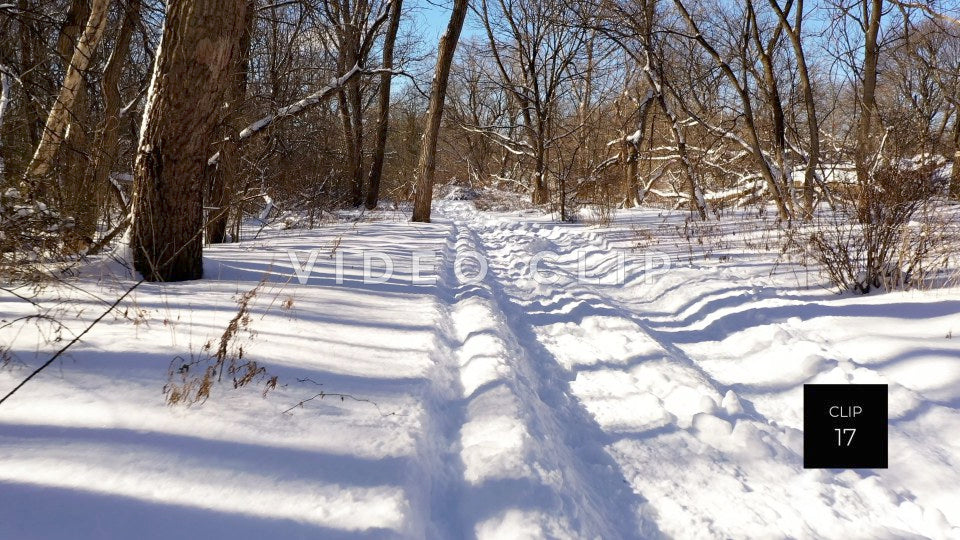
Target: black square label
844, 426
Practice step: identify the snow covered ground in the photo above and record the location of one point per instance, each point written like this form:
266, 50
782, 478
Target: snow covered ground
504, 407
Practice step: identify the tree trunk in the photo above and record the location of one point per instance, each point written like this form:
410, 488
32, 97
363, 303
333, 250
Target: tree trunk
630, 155
872, 10
352, 52
771, 90
383, 121
541, 192
955, 174
5, 87
813, 121
349, 142
30, 42
356, 123
110, 132
73, 25
630, 149
426, 165
191, 80
59, 117
223, 174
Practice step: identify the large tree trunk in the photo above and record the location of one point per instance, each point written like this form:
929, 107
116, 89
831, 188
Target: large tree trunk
426, 166
59, 117
191, 79
383, 121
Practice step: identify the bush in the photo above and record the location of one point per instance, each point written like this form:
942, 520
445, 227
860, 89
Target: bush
891, 239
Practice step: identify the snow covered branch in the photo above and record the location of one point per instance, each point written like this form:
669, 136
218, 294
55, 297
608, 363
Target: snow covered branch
312, 100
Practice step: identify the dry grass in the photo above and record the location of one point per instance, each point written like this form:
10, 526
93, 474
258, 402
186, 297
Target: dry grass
191, 381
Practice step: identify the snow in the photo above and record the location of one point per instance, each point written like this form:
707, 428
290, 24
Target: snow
633, 400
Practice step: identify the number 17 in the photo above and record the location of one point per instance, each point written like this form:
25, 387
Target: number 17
842, 432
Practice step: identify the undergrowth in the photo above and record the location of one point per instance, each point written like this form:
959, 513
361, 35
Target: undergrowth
190, 381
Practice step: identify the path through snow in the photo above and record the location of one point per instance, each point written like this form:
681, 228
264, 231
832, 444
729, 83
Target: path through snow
668, 406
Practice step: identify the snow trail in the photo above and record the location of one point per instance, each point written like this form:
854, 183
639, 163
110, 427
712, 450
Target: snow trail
532, 466
668, 405
690, 446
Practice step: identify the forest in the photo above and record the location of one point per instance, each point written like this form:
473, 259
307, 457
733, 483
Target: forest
479, 269
321, 105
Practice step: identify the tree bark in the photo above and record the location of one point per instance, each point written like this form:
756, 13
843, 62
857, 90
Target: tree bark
955, 173
73, 25
383, 121
110, 132
872, 10
5, 87
426, 165
59, 118
191, 79
223, 173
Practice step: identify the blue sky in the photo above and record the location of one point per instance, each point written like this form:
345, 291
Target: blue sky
433, 16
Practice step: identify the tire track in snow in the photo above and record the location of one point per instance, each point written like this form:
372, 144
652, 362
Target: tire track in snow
440, 469
525, 433
693, 454
588, 302
655, 404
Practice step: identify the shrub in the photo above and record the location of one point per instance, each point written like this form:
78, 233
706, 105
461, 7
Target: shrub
891, 239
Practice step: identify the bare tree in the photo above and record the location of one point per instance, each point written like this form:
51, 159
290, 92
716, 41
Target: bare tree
423, 196
741, 86
534, 50
383, 120
794, 33
632, 25
107, 147
222, 175
869, 17
59, 118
